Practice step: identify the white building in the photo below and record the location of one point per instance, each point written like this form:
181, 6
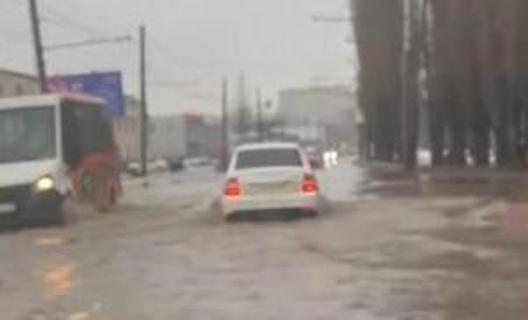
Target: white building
175, 137
13, 83
128, 130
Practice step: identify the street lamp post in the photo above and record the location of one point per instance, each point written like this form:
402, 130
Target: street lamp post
225, 125
259, 116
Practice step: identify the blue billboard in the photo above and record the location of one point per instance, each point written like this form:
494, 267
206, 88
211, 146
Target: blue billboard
106, 85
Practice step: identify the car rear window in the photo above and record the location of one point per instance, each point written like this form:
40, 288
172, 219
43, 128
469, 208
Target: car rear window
268, 158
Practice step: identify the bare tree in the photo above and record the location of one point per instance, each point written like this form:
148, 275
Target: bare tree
378, 28
475, 57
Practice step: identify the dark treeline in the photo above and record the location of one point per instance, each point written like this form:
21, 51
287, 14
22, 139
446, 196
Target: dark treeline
464, 62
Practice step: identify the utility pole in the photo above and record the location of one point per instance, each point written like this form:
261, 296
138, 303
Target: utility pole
404, 86
37, 43
259, 115
225, 125
143, 97
408, 82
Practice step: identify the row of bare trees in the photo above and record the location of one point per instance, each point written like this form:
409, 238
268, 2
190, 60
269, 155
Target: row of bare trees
463, 62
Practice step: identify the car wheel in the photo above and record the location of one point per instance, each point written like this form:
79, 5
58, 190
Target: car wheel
52, 215
312, 214
232, 218
58, 213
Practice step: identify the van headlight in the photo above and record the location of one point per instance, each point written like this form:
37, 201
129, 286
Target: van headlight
44, 184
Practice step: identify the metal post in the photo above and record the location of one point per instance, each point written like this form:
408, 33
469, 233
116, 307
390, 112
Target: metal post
259, 115
225, 125
143, 94
37, 42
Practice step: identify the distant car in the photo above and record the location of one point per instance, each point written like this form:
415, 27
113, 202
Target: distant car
315, 159
268, 177
158, 165
176, 166
198, 162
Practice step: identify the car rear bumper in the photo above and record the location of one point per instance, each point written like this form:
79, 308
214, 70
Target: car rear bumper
248, 204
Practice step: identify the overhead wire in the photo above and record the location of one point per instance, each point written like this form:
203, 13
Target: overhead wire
163, 67
15, 3
113, 24
51, 14
14, 12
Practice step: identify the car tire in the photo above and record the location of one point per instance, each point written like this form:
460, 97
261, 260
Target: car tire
312, 214
231, 218
52, 215
57, 213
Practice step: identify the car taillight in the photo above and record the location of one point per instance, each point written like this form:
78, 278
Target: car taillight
309, 184
232, 188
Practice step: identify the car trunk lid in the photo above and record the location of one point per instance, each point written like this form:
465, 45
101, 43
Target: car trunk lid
271, 181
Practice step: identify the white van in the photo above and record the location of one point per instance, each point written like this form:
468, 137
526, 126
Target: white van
54, 147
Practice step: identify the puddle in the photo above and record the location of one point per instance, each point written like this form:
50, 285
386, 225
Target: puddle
59, 280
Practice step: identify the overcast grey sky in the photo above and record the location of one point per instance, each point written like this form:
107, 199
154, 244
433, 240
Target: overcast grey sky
192, 44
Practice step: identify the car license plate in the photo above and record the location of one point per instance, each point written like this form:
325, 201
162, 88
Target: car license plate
271, 188
7, 208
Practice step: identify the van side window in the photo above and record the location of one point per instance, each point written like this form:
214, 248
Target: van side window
71, 148
87, 130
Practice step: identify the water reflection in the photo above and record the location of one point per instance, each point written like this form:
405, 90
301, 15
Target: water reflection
59, 280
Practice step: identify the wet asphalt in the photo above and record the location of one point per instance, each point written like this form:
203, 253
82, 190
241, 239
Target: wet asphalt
389, 246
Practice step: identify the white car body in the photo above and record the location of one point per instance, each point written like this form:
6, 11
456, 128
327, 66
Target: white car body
270, 187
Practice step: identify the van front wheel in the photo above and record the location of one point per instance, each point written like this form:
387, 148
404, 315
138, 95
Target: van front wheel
45, 209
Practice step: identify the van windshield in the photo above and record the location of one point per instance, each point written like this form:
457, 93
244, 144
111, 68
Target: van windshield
27, 134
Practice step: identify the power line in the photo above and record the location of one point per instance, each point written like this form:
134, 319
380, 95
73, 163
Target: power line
16, 3
63, 20
112, 23
64, 25
52, 15
57, 18
16, 11
90, 42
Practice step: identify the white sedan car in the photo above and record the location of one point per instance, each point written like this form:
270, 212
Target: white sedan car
268, 177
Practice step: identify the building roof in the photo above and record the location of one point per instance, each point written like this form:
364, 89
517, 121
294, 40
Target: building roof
18, 74
46, 99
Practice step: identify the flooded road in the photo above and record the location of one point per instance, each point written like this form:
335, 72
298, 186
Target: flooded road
411, 253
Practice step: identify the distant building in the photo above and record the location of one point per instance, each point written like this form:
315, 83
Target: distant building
326, 105
175, 137
331, 112
128, 130
14, 83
